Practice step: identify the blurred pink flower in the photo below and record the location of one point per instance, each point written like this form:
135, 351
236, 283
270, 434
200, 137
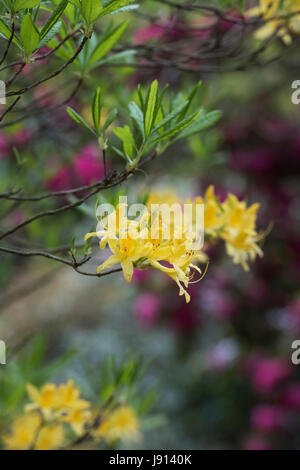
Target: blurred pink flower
267, 373
268, 418
88, 166
186, 317
61, 180
256, 443
291, 396
140, 276
146, 308
154, 31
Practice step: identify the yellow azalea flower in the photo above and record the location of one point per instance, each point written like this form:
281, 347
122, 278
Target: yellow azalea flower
23, 432
269, 10
68, 396
121, 424
164, 197
213, 216
43, 399
52, 398
166, 238
112, 226
239, 232
78, 420
126, 252
50, 437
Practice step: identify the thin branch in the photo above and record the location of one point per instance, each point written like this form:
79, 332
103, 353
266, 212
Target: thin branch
8, 43
10, 108
53, 75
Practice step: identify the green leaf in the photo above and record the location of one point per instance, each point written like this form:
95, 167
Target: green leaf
6, 33
50, 35
22, 4
170, 116
136, 114
97, 109
107, 43
110, 118
203, 122
150, 107
141, 98
117, 5
179, 127
124, 134
29, 35
54, 18
77, 118
190, 99
91, 9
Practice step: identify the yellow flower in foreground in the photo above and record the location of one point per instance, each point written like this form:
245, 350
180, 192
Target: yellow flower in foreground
55, 399
50, 437
24, 431
121, 424
78, 420
126, 252
169, 239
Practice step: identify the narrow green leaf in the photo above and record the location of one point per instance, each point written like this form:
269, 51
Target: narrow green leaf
170, 117
97, 109
77, 118
50, 35
29, 35
110, 118
6, 33
141, 98
136, 114
114, 6
107, 43
203, 122
150, 107
22, 4
178, 128
119, 152
54, 18
124, 134
189, 100
91, 9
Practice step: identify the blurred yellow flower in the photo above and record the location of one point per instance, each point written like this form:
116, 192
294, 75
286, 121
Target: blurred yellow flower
120, 424
50, 437
273, 12
239, 231
52, 398
24, 431
78, 419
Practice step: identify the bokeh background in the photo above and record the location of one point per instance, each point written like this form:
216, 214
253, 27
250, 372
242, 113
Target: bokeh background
221, 365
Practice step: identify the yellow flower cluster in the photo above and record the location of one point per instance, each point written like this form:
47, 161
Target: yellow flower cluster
231, 221
43, 426
280, 16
